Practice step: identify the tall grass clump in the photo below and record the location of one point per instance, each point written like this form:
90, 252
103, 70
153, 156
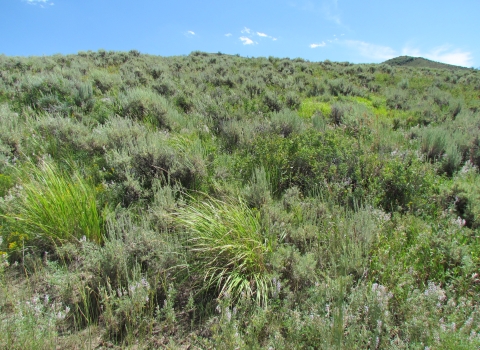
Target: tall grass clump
229, 248
55, 206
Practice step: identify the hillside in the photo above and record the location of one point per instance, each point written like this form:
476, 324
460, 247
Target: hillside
216, 201
420, 62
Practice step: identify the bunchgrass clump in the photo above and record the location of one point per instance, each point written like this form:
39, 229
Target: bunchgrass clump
54, 206
229, 247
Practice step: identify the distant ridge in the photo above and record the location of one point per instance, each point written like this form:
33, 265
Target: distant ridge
420, 62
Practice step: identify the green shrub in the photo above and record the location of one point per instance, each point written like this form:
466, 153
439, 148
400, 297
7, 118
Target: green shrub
183, 102
474, 152
11, 138
315, 89
403, 84
165, 87
318, 121
254, 87
397, 99
292, 100
451, 160
272, 102
105, 81
286, 122
337, 114
403, 186
464, 197
83, 97
145, 105
340, 87
434, 143
440, 98
142, 158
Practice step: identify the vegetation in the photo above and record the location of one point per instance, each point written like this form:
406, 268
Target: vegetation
215, 201
420, 62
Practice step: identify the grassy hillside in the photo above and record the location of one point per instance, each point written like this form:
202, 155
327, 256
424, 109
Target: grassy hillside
420, 62
216, 201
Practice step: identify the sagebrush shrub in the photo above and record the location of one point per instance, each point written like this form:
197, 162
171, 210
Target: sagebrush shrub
143, 104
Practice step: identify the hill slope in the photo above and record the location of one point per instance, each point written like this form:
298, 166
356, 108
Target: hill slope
420, 62
216, 201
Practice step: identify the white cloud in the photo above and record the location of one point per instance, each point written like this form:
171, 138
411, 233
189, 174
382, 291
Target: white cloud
443, 54
371, 51
191, 32
263, 35
246, 41
41, 3
249, 34
228, 34
322, 44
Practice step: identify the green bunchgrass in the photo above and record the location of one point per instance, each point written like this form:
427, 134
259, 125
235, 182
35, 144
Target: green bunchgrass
55, 206
229, 248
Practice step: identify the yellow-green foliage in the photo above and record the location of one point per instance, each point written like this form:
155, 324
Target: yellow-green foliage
376, 105
54, 205
5, 183
310, 105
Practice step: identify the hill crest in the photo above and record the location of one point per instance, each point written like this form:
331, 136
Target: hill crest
421, 62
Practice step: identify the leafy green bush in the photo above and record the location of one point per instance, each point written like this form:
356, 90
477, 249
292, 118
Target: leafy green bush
403, 187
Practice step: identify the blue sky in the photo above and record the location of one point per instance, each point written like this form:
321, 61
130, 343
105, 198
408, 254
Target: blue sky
339, 30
